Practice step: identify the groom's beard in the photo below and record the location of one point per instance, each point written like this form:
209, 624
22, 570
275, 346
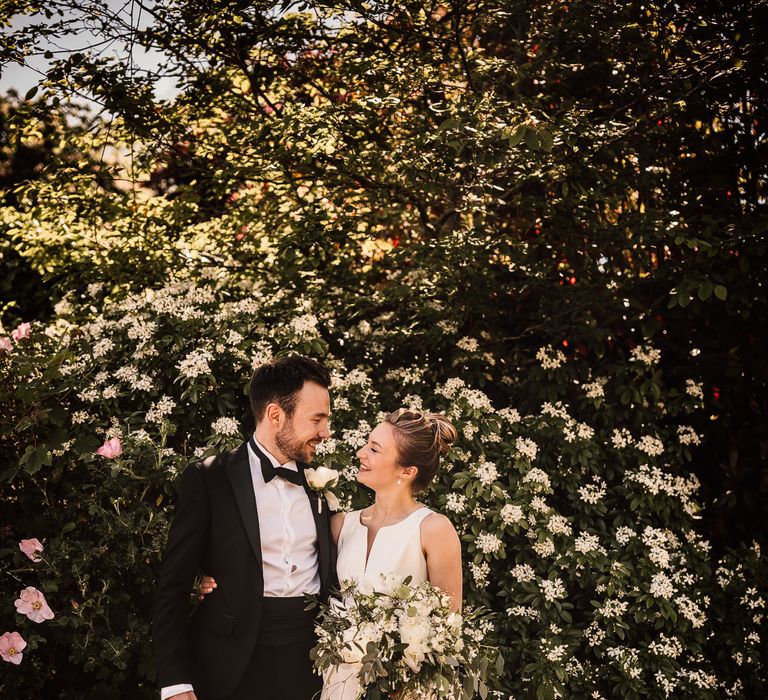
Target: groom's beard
290, 446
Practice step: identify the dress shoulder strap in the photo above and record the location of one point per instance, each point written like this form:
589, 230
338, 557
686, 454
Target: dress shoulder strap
416, 518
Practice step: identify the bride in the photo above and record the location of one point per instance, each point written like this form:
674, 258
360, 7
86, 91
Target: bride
396, 534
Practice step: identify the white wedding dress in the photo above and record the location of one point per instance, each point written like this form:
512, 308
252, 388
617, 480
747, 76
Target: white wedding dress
395, 549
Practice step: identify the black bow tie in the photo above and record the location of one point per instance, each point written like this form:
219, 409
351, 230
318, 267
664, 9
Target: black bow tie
269, 471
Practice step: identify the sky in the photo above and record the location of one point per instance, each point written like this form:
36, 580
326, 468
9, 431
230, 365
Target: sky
22, 78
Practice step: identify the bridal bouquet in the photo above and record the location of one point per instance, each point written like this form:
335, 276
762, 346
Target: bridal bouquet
406, 642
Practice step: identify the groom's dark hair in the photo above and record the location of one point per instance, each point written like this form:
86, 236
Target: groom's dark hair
281, 380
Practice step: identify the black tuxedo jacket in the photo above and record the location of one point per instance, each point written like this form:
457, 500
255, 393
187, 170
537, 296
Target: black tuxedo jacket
215, 530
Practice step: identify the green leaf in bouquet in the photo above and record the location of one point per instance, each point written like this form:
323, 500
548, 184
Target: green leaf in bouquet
468, 687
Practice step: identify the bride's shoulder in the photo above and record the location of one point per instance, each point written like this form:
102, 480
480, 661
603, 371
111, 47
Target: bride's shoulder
436, 525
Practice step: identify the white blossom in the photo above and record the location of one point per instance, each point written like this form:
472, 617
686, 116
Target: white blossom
595, 390
620, 438
195, 364
511, 514
695, 389
661, 586
545, 548
102, 347
559, 525
666, 646
549, 358
593, 493
225, 426
523, 573
613, 609
480, 573
456, 502
651, 445
488, 543
451, 387
79, 417
556, 410
691, 611
556, 653
523, 611
467, 344
667, 684
552, 590
594, 634
646, 354
477, 399
511, 415
538, 478
141, 330
304, 325
487, 473
162, 407
687, 435
586, 543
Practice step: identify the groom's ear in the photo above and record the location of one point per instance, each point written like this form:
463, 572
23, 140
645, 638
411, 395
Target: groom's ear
273, 414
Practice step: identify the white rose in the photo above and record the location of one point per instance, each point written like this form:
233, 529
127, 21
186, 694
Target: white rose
415, 633
321, 478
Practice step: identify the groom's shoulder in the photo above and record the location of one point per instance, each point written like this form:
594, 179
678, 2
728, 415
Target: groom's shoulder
214, 465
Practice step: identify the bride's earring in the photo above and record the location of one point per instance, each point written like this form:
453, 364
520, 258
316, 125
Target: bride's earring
399, 481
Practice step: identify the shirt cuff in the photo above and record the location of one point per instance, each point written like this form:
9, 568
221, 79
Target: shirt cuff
172, 690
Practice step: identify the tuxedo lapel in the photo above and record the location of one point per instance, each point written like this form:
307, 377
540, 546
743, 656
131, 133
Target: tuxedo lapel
239, 473
323, 528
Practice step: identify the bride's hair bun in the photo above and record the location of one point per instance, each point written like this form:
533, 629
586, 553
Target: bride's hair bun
421, 439
445, 433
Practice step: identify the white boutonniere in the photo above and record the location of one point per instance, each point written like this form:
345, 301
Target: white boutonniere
321, 481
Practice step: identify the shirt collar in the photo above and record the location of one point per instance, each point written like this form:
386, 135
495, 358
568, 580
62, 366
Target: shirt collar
288, 465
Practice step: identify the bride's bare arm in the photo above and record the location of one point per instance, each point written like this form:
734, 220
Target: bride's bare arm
442, 549
337, 520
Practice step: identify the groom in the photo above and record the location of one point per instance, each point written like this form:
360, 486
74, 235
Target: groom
248, 519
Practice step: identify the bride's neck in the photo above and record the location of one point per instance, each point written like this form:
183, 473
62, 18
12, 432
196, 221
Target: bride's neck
393, 503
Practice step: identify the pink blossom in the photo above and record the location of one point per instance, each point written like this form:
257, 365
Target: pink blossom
32, 603
31, 547
11, 646
5, 344
111, 448
21, 331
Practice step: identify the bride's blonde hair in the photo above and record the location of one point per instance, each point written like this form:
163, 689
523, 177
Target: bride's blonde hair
421, 439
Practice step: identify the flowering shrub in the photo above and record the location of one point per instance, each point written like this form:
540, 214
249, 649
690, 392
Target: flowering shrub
579, 519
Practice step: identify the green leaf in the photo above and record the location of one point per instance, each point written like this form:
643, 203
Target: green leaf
31, 93
546, 139
721, 292
705, 290
532, 138
34, 458
516, 137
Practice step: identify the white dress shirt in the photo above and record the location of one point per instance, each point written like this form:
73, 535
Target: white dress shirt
288, 539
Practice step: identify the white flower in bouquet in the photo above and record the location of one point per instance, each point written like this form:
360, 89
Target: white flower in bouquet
355, 641
415, 631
